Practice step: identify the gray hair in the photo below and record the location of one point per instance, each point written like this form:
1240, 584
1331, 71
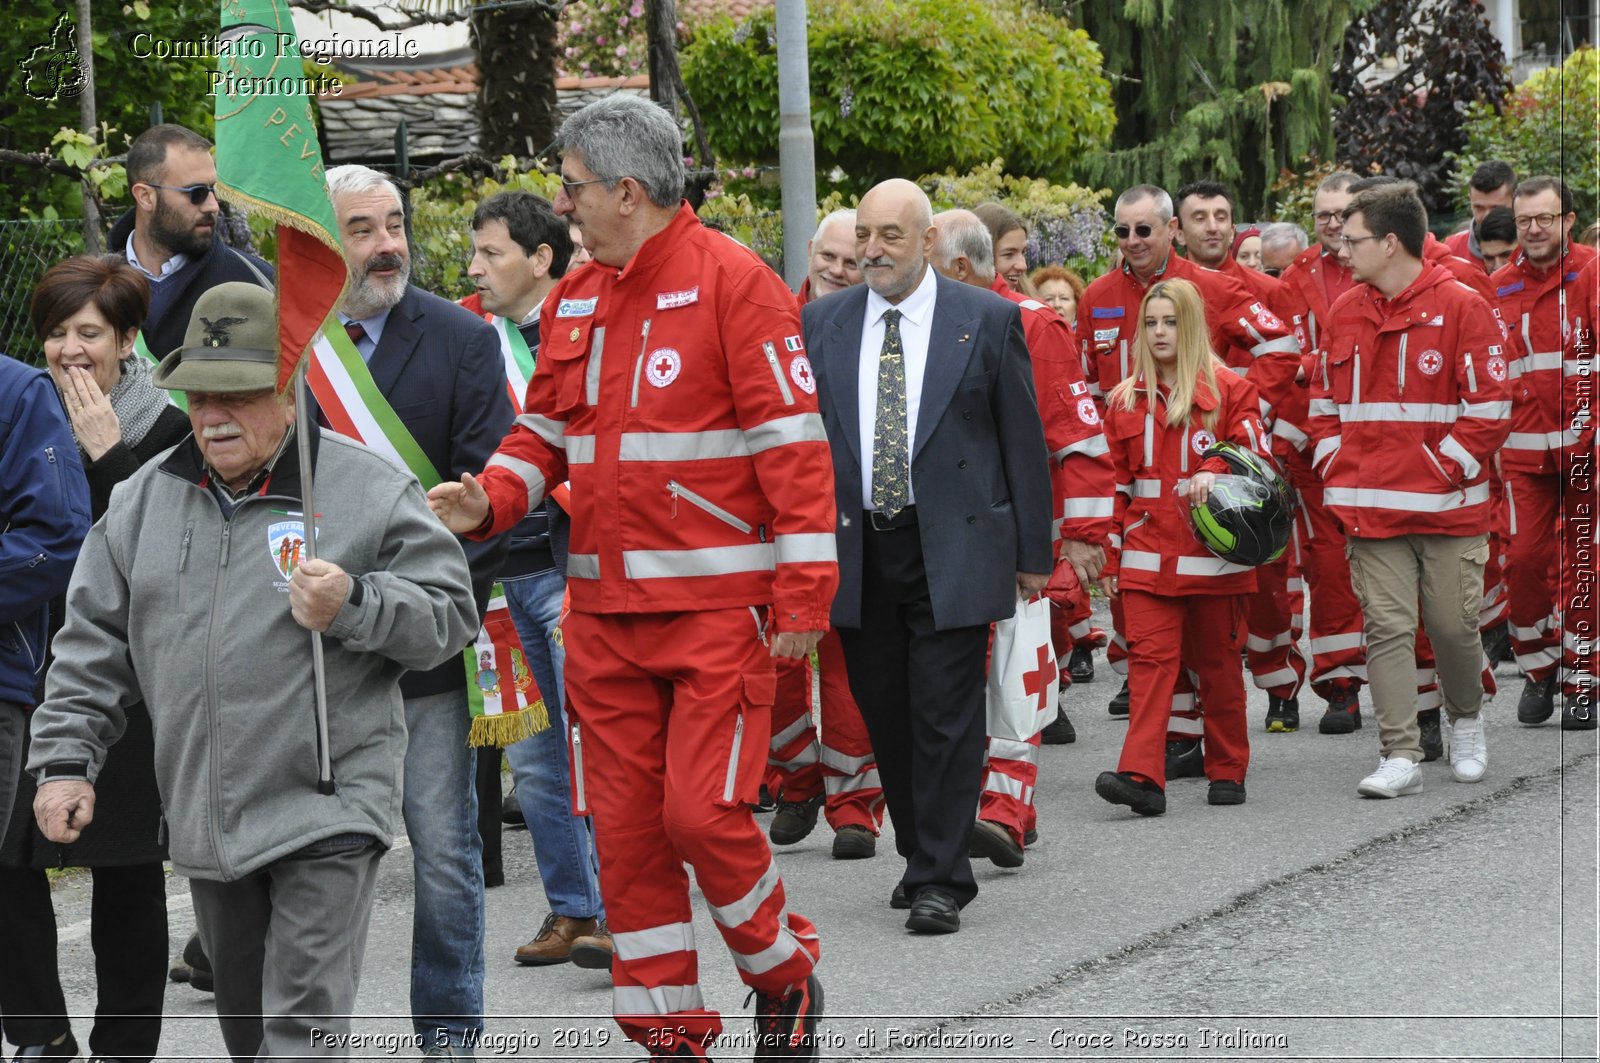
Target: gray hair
1337, 181
842, 216
1282, 234
962, 234
1137, 193
345, 180
623, 135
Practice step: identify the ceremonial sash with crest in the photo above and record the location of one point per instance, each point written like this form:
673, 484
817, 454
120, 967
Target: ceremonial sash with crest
504, 700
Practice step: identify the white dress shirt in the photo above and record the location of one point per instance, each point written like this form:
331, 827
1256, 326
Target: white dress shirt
916, 326
172, 265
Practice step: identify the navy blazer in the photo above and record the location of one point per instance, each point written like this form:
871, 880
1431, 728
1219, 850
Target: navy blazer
439, 366
979, 467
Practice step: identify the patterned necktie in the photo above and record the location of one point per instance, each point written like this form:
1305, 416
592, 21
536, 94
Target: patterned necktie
891, 464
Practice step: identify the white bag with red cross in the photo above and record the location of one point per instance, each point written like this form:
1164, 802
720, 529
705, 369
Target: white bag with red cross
1023, 681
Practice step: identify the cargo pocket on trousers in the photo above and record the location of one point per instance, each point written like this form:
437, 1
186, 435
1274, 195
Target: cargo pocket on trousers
745, 759
1473, 560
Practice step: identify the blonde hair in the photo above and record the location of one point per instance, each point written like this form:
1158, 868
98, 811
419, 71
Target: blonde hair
1196, 361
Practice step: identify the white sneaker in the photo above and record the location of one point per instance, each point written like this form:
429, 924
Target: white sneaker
1464, 742
1395, 777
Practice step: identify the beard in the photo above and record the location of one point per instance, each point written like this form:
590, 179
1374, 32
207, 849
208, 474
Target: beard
372, 295
169, 229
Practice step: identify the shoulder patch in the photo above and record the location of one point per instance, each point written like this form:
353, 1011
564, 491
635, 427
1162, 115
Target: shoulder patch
1508, 289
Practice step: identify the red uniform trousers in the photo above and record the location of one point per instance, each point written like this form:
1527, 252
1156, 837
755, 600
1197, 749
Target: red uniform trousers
1274, 614
1338, 646
1204, 632
671, 718
1009, 775
1186, 721
1496, 608
1071, 627
805, 760
1533, 501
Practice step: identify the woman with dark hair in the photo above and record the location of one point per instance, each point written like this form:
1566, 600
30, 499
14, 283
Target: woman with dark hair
86, 311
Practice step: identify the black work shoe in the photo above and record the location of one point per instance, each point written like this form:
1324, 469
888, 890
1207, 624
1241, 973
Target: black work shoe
851, 842
1118, 787
994, 843
1060, 731
1031, 838
1119, 703
1283, 714
764, 801
1432, 739
1080, 666
786, 1024
899, 899
1538, 700
933, 911
1343, 715
1185, 759
511, 811
1497, 644
1225, 792
1577, 716
63, 1047
794, 820
200, 975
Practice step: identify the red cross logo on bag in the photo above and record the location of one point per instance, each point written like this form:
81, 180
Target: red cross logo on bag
1038, 682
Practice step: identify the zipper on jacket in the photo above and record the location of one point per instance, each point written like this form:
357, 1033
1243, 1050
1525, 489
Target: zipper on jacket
1355, 374
183, 550
638, 364
777, 372
733, 758
1472, 375
577, 766
35, 664
761, 626
677, 491
1404, 336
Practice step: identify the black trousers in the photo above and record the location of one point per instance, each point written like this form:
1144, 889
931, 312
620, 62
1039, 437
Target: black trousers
128, 931
921, 693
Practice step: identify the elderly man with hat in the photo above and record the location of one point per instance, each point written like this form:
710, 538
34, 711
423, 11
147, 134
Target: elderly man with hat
193, 593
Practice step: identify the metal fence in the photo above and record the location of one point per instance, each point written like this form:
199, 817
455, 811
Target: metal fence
27, 249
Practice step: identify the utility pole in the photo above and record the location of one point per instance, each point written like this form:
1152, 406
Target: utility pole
797, 163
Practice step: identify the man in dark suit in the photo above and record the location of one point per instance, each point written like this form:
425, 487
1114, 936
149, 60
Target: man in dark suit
943, 488
440, 369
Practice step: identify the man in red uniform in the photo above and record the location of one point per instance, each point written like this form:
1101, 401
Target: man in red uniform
1206, 232
1107, 321
1082, 482
1538, 299
828, 769
674, 391
1489, 186
1409, 404
1307, 291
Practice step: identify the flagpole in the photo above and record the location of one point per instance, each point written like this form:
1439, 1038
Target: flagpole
308, 506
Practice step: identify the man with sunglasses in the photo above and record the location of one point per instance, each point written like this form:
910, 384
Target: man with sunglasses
1108, 314
170, 235
1539, 302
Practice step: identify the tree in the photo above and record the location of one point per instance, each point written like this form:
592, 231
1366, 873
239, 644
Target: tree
1233, 90
1409, 71
517, 51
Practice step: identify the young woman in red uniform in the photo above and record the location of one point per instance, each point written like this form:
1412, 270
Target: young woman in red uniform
1185, 607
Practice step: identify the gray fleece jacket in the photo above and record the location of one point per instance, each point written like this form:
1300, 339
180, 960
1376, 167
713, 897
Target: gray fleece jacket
174, 603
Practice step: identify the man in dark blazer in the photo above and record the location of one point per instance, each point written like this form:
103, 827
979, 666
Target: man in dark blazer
439, 367
943, 487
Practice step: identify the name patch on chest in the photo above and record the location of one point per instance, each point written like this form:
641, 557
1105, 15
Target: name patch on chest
671, 300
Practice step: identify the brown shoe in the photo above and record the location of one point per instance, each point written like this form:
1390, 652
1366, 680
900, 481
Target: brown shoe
554, 941
593, 951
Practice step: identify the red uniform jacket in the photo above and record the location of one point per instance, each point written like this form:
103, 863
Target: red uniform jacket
1466, 270
1080, 461
1579, 398
1460, 245
1108, 319
1155, 548
1306, 291
676, 396
1538, 308
1408, 404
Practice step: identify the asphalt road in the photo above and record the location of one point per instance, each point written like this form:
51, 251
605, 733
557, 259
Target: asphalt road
1309, 923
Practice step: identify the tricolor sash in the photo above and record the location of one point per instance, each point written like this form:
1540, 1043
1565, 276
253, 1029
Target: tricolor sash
502, 712
517, 356
142, 349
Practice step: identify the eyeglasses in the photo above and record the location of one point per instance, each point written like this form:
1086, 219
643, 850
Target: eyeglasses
1142, 230
567, 186
197, 194
1543, 221
1351, 241
1326, 217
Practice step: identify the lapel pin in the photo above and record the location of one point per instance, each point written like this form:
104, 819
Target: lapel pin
965, 336
573, 335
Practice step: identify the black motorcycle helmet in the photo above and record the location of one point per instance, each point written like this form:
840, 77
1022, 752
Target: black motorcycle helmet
1250, 513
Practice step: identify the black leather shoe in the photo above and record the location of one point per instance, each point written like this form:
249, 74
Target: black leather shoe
1538, 700
1145, 798
1497, 644
1283, 714
1185, 759
1432, 738
898, 899
1225, 792
1343, 716
995, 844
200, 975
851, 842
1059, 732
1080, 666
1030, 839
1119, 703
794, 820
511, 811
934, 912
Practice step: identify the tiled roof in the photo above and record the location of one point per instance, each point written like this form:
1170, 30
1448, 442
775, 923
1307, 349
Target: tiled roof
700, 10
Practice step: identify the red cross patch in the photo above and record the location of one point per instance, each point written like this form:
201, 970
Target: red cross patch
662, 366
1087, 413
1430, 362
800, 373
1201, 440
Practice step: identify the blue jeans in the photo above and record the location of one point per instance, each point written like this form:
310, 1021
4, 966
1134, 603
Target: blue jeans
563, 844
441, 813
